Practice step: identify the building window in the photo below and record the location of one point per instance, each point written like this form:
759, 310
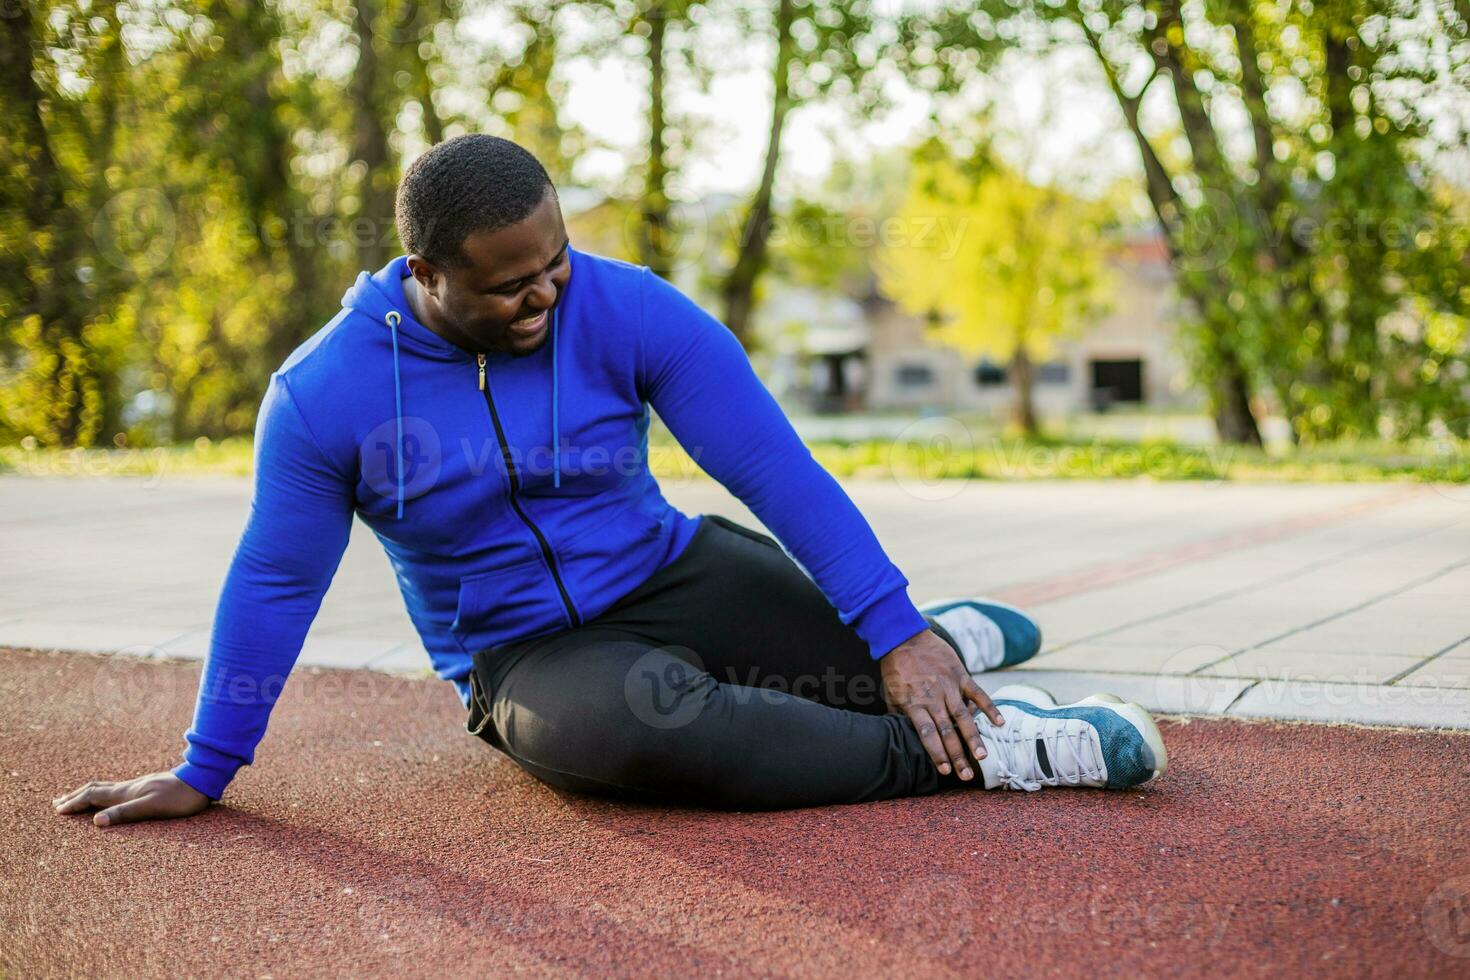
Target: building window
1117, 381
989, 374
1054, 373
914, 376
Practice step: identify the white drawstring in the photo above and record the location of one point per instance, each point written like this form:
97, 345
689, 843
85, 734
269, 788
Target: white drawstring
394, 318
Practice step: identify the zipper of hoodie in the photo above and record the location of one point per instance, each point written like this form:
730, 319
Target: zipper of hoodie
515, 488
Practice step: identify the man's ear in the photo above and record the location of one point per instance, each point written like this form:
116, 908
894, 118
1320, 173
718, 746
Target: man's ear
424, 272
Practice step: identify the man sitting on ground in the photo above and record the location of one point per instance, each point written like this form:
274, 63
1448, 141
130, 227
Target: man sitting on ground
483, 404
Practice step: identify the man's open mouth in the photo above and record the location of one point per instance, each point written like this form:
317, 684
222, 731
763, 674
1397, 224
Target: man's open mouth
527, 326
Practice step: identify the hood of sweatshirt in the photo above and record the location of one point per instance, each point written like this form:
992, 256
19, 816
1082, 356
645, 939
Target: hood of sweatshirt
380, 298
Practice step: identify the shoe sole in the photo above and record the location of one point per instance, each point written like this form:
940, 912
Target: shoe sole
1132, 713
1040, 636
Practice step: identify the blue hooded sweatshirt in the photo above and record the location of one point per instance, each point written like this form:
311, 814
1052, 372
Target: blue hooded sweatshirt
512, 494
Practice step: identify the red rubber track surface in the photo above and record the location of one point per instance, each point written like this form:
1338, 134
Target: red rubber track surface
374, 836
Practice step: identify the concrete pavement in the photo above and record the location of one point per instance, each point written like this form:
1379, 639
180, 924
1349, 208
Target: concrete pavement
1338, 602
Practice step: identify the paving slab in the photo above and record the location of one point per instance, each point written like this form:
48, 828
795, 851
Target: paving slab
1157, 658
1361, 704
1445, 671
1313, 665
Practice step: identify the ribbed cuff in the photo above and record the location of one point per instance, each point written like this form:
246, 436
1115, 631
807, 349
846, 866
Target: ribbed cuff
208, 779
888, 622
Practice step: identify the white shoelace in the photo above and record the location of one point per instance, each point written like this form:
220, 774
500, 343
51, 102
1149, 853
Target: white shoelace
1071, 748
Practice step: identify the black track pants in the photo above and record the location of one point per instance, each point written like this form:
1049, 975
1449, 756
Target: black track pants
725, 680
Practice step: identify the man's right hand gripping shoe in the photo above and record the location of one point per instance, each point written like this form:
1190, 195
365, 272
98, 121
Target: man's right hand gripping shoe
1099, 742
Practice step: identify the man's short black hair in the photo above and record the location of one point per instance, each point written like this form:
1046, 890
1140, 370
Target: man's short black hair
465, 185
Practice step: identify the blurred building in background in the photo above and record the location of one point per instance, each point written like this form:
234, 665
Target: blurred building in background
870, 356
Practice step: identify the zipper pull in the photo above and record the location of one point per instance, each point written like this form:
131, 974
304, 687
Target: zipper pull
480, 360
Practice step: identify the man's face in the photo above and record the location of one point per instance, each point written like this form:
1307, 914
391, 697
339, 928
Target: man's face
502, 300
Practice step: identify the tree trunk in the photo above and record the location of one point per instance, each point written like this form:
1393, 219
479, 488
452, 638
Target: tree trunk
1230, 394
301, 317
46, 283
1023, 382
1279, 252
424, 86
1235, 423
653, 230
1360, 340
1253, 92
739, 287
1173, 57
1337, 60
372, 229
1163, 197
534, 124
107, 290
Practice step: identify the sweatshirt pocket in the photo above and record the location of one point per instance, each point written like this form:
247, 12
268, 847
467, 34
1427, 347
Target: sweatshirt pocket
507, 604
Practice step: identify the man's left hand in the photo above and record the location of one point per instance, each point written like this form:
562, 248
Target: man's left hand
924, 678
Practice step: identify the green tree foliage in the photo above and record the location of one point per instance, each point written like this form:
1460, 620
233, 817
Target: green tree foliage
1026, 267
831, 239
245, 280
524, 93
66, 336
1318, 252
188, 188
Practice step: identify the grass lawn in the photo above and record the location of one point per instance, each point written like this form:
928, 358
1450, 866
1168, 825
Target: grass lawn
935, 456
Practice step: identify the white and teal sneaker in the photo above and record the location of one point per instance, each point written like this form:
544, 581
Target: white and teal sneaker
988, 634
1099, 742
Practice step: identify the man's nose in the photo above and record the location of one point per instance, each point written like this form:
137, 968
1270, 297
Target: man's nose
543, 292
